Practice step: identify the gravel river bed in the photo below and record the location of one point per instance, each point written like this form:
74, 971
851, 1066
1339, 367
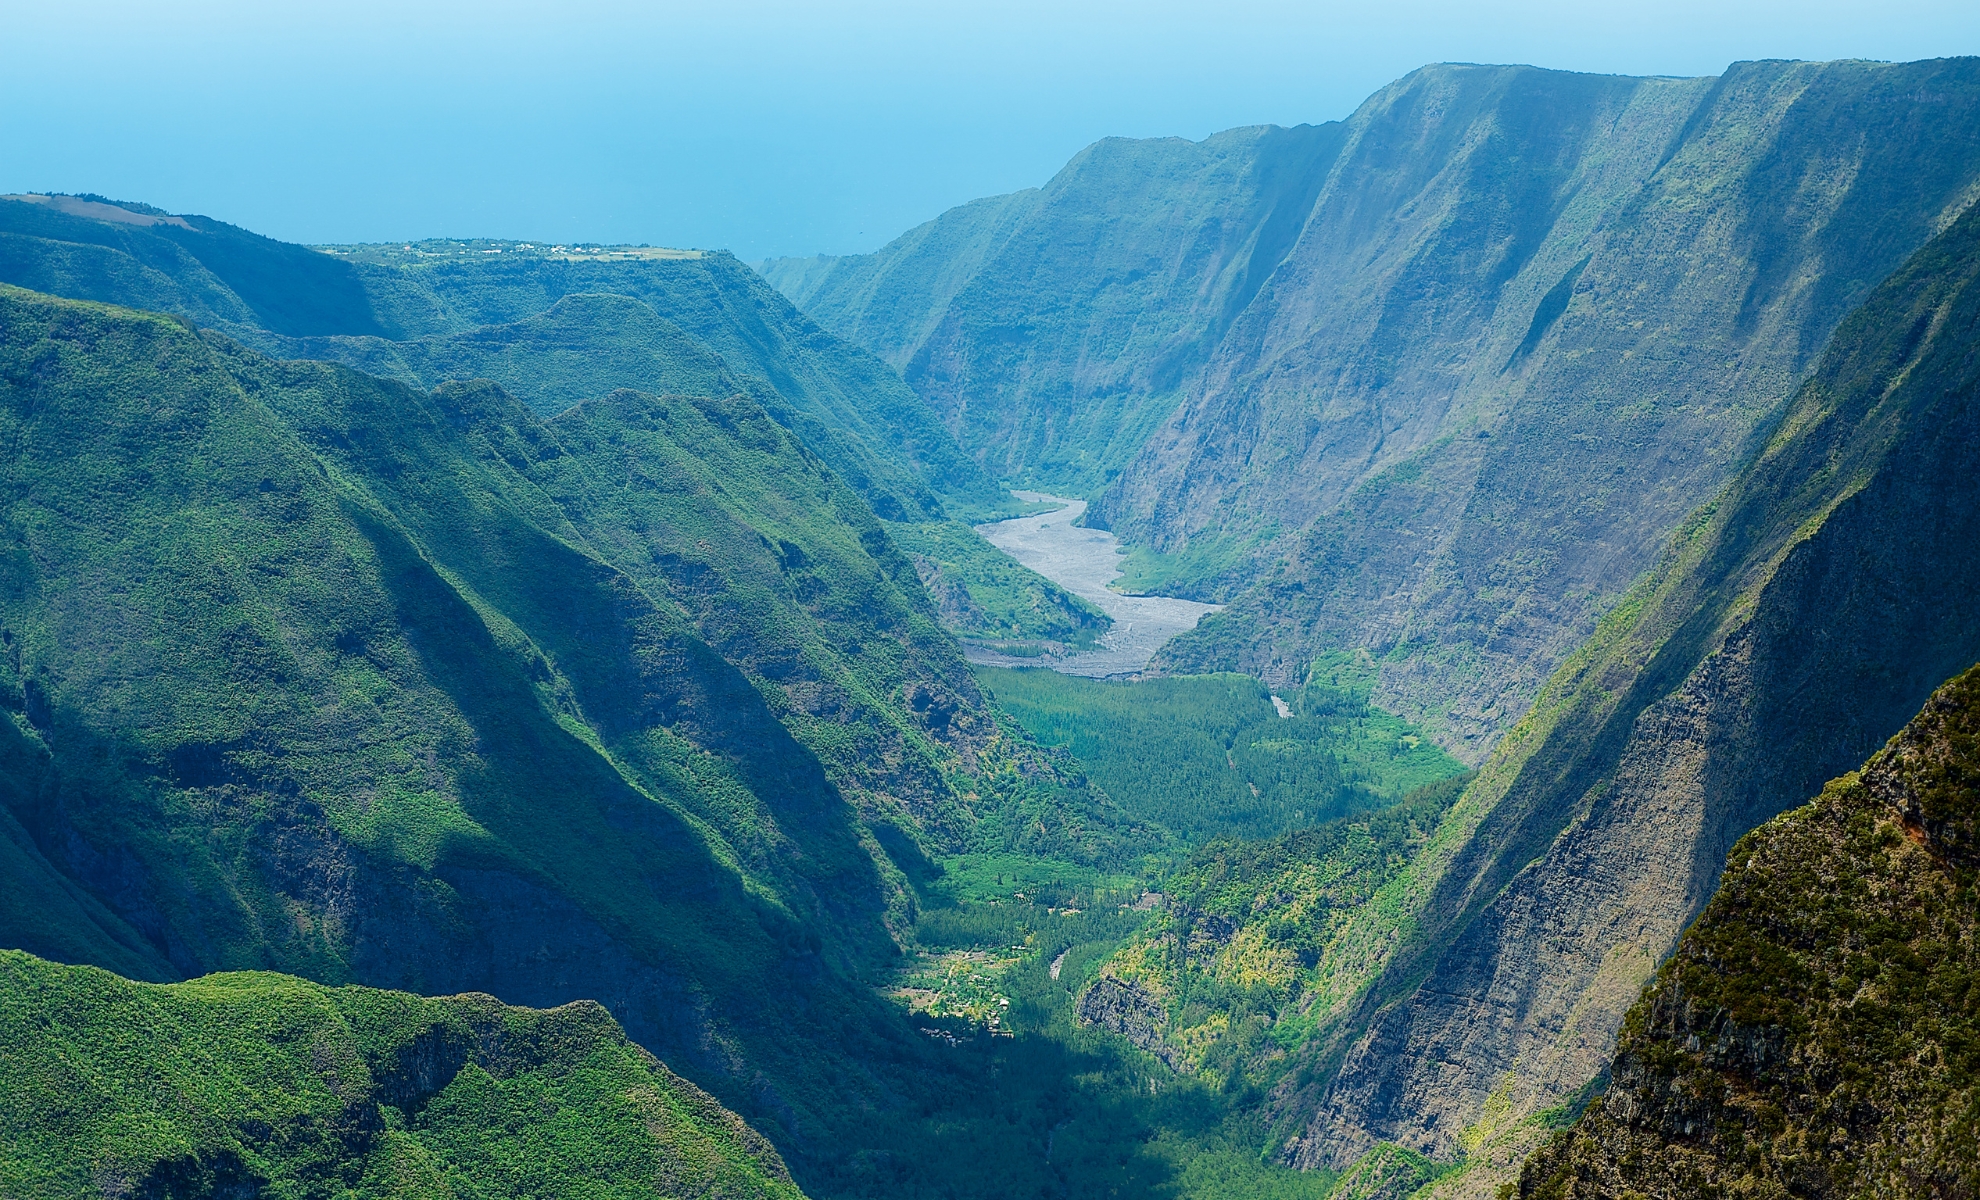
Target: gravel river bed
1084, 562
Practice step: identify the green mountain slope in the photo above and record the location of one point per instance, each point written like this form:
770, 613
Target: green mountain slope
455, 311
306, 670
1793, 626
1221, 985
252, 1083
1435, 382
1817, 1032
557, 326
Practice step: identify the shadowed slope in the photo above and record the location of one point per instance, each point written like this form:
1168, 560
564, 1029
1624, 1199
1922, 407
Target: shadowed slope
1791, 627
314, 672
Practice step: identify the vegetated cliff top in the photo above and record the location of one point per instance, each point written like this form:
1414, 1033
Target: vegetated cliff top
1817, 1032
451, 311
256, 1083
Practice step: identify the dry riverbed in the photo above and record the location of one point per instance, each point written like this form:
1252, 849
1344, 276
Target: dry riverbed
1084, 562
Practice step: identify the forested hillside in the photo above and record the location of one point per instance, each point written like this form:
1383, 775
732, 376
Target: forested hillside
1437, 381
314, 672
253, 1084
1817, 1032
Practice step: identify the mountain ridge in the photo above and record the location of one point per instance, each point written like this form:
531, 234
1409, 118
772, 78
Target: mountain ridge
1457, 418
234, 1084
1792, 626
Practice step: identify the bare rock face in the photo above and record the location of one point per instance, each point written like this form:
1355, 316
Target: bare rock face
1123, 1006
1792, 630
952, 600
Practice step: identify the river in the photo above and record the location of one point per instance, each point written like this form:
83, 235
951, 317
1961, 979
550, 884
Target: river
1084, 562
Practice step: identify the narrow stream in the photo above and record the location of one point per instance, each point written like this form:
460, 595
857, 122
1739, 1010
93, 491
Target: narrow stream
1084, 562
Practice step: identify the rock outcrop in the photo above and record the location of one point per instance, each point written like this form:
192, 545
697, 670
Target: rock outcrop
1123, 1006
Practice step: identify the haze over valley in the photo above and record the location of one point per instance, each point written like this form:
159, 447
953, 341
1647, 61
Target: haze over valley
1424, 655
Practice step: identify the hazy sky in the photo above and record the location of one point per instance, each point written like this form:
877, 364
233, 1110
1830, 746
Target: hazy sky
764, 126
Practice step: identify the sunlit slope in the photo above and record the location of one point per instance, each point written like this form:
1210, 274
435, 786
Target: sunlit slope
255, 1083
1816, 1032
1484, 417
1793, 625
557, 328
314, 672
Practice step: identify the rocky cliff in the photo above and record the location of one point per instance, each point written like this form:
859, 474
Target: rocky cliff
1793, 625
1817, 1032
1586, 295
1055, 329
1436, 381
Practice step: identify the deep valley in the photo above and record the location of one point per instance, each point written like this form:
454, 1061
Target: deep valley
1423, 656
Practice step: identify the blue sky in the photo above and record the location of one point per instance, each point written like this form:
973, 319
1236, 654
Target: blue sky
763, 126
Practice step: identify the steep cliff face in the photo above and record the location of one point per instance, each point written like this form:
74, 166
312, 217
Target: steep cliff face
1436, 381
1817, 1031
1055, 329
1791, 628
1558, 361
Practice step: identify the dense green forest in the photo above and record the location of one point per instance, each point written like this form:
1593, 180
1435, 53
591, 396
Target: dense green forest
1211, 756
